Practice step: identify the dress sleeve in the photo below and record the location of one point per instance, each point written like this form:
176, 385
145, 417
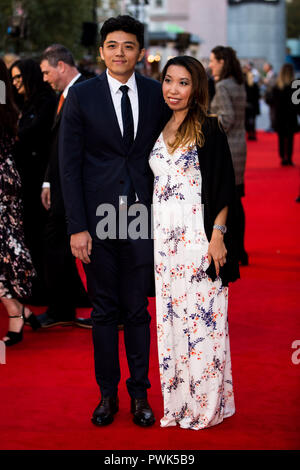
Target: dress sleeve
225, 110
220, 192
223, 179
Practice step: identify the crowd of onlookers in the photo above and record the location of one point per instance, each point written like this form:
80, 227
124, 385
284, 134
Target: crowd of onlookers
29, 137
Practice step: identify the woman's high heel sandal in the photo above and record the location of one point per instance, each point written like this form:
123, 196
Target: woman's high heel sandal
13, 336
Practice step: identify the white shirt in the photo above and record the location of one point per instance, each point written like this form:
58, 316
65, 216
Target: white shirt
66, 90
116, 94
65, 93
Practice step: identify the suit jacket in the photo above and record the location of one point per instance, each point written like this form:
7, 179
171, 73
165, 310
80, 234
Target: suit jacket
94, 162
218, 191
52, 171
285, 112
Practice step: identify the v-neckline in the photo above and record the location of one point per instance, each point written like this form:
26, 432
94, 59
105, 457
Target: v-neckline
166, 145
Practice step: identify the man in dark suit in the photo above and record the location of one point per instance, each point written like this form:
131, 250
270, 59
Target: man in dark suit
109, 127
64, 285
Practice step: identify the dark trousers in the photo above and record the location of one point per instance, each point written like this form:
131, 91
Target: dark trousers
286, 144
119, 279
66, 291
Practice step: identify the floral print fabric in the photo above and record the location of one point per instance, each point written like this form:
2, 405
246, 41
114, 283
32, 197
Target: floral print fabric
191, 309
16, 270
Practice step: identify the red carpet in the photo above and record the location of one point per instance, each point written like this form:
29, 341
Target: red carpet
48, 391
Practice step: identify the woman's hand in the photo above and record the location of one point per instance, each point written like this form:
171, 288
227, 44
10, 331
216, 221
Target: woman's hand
217, 250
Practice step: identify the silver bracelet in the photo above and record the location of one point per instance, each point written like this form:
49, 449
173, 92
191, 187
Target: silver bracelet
222, 228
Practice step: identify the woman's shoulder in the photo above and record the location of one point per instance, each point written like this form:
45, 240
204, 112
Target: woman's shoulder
212, 125
230, 83
225, 83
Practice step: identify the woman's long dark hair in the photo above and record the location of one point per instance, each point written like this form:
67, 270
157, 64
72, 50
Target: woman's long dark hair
32, 77
8, 111
190, 130
232, 66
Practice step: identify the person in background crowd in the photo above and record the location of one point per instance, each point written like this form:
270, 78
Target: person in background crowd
229, 104
285, 113
254, 71
66, 291
193, 252
86, 68
268, 83
252, 108
9, 59
31, 158
211, 85
269, 74
16, 269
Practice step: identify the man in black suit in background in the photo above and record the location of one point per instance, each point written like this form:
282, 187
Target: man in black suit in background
109, 127
63, 282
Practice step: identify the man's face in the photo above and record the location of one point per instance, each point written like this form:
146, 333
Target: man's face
52, 75
121, 52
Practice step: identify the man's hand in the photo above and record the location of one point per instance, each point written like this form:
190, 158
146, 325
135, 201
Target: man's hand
81, 246
46, 198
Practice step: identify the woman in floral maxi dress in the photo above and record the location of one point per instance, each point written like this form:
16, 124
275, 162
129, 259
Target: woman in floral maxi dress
16, 269
192, 328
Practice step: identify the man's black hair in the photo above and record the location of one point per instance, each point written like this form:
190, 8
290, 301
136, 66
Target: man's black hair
125, 23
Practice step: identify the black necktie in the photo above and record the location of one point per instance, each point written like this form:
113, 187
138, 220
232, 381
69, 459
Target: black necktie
128, 127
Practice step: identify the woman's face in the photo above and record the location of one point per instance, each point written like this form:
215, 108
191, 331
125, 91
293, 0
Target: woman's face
215, 66
17, 80
177, 87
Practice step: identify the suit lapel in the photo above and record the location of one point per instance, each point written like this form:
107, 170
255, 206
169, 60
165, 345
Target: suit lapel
143, 98
106, 103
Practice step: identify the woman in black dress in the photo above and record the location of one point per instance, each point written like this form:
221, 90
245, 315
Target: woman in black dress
34, 127
16, 269
285, 113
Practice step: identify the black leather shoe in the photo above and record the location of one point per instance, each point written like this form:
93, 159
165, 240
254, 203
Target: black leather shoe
83, 322
105, 411
142, 412
47, 322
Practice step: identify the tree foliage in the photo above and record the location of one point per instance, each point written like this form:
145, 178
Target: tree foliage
293, 19
49, 21
5, 14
